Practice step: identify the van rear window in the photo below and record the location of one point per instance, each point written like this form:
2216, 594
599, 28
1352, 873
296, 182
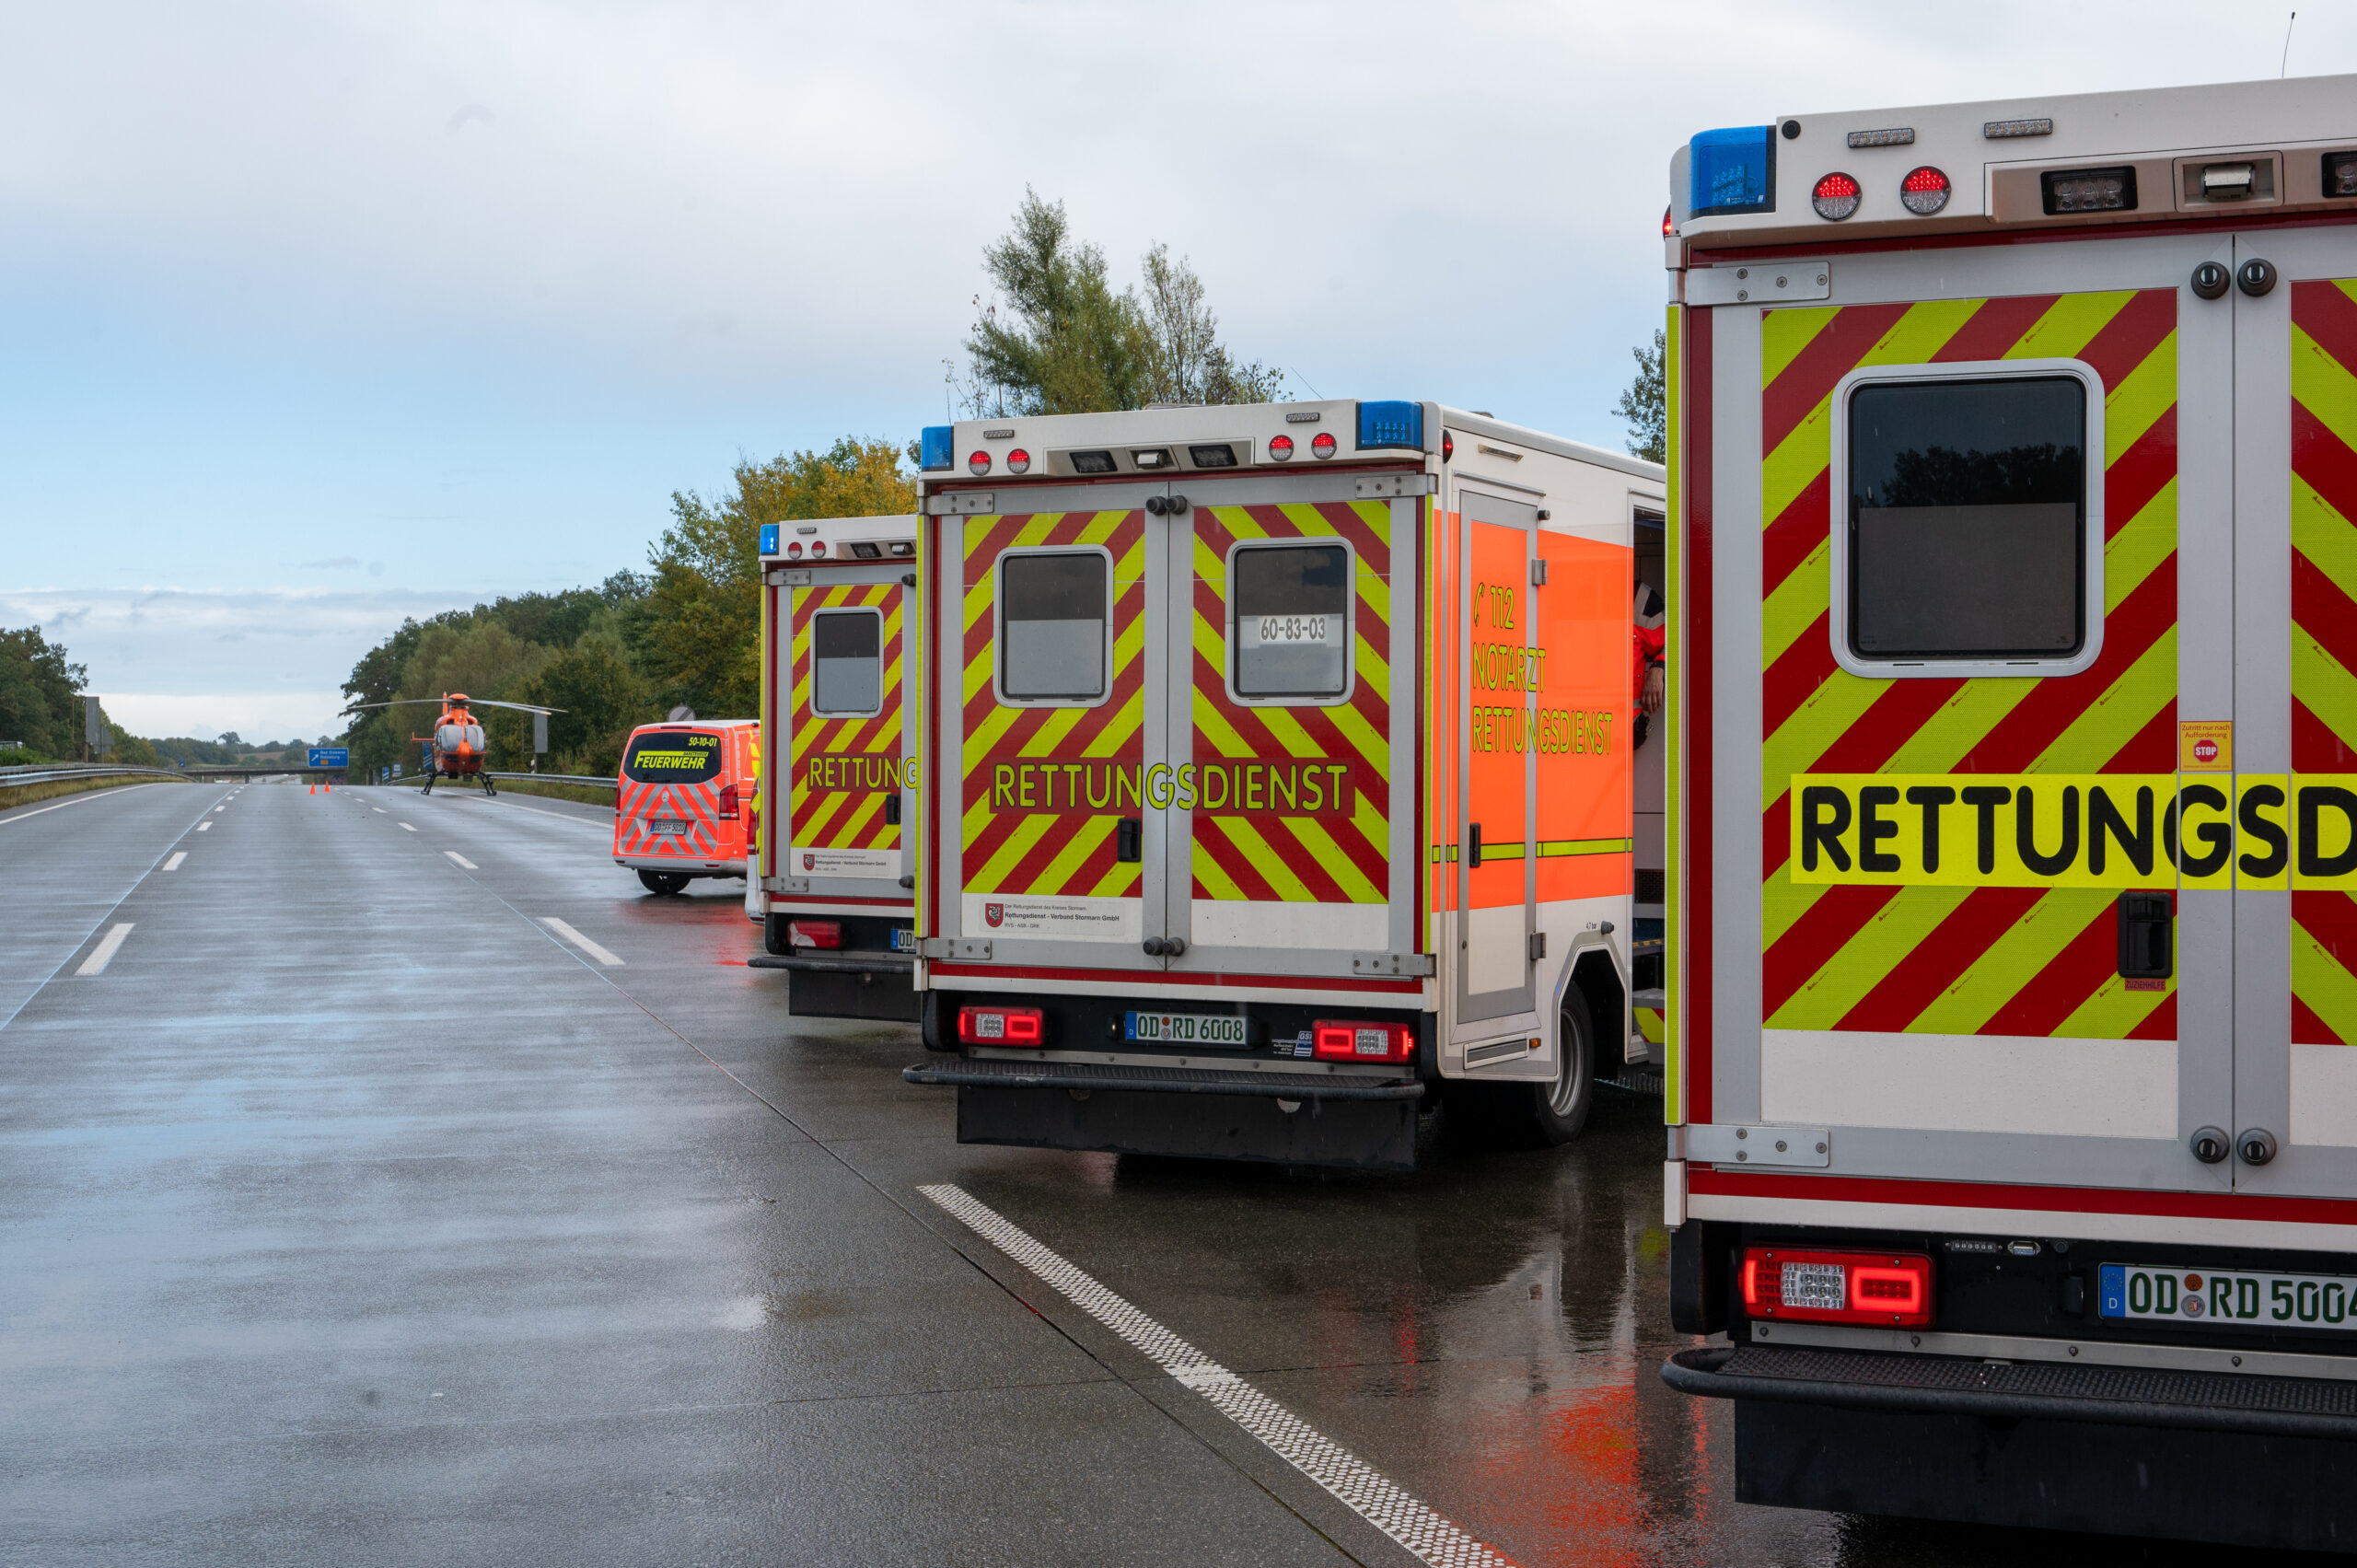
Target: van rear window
847, 662
1293, 621
673, 756
1052, 626
1968, 506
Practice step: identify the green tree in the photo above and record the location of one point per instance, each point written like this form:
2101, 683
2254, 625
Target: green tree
695, 633
39, 688
1645, 403
602, 701
1056, 339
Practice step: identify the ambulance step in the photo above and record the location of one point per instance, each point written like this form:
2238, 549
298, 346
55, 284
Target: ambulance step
991, 1073
837, 963
2119, 1396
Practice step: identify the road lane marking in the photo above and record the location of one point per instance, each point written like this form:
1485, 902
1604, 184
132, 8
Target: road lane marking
462, 860
378, 809
104, 953
407, 829
174, 863
1366, 1490
578, 940
204, 825
221, 809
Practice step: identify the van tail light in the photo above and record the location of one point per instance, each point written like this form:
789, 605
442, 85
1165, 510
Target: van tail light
1001, 1026
728, 803
814, 933
1886, 1289
1352, 1039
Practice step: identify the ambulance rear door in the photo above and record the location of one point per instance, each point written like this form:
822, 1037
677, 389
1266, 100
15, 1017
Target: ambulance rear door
1958, 606
2292, 744
843, 786
1493, 544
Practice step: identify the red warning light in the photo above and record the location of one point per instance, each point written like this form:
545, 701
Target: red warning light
1280, 448
1323, 445
1835, 198
1924, 191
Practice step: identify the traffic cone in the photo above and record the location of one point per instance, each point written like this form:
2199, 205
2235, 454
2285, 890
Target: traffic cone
315, 789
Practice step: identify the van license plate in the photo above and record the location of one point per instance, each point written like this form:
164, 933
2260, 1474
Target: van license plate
674, 826
2156, 1293
1184, 1028
903, 940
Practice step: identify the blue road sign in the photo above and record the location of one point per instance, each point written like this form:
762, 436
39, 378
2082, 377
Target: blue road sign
330, 756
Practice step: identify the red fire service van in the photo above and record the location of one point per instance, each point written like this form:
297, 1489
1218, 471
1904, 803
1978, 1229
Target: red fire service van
1279, 770
683, 807
2013, 1014
838, 873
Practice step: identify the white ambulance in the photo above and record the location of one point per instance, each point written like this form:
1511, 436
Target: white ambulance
2012, 1024
1278, 771
837, 870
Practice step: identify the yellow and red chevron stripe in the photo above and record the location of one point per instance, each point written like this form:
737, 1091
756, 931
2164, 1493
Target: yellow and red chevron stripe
2324, 630
1947, 959
1044, 853
851, 816
1292, 857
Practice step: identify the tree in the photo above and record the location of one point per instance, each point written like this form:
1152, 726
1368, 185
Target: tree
1645, 403
39, 688
602, 697
1056, 339
695, 633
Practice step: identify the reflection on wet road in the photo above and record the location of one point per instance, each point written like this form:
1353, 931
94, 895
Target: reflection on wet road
412, 1187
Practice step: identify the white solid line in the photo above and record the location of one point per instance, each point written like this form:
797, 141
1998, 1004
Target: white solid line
174, 863
407, 829
462, 860
578, 940
1368, 1493
77, 800
204, 826
104, 953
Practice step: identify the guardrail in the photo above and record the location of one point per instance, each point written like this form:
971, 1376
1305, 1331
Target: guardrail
41, 774
556, 778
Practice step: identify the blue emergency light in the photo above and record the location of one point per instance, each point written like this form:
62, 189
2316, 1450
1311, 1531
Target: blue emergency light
1732, 171
769, 537
1391, 424
937, 448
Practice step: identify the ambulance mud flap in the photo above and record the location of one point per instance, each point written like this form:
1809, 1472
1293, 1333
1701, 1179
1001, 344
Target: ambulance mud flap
1275, 1118
879, 986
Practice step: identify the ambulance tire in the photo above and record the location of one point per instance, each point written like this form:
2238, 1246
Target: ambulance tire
665, 882
1533, 1115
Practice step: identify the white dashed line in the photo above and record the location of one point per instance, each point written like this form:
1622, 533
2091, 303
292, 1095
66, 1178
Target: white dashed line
407, 829
378, 809
578, 940
174, 863
1368, 1493
104, 953
221, 809
204, 826
462, 860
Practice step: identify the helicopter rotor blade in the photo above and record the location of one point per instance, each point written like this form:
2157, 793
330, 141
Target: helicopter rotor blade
520, 707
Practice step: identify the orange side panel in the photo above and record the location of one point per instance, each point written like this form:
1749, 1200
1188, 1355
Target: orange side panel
1584, 711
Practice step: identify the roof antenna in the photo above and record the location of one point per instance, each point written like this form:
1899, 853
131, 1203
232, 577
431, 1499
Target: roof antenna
1305, 381
2285, 64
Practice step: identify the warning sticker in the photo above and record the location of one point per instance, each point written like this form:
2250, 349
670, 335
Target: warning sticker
2205, 746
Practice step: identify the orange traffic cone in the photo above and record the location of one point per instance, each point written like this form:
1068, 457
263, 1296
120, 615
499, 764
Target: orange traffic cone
315, 789
328, 788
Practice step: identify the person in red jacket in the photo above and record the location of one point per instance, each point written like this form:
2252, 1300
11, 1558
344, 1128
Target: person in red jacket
1649, 636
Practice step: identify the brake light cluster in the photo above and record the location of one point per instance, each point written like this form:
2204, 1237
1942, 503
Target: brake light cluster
1352, 1040
1281, 448
1924, 191
826, 934
1001, 1026
818, 550
1886, 1289
728, 803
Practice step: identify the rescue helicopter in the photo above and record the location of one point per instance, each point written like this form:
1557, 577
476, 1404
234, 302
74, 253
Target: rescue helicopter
457, 738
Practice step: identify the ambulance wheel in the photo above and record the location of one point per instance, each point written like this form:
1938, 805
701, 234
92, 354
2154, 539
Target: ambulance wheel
1559, 1110
663, 881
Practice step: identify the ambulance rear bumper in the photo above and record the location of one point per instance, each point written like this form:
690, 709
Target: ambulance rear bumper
1951, 1386
993, 1074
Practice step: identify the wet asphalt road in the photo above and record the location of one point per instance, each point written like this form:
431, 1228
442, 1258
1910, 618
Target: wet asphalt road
351, 1213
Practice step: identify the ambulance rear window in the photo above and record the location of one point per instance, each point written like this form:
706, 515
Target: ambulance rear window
673, 756
1292, 637
1968, 505
1051, 625
847, 663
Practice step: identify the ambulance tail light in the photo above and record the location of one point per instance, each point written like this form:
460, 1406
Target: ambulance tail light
1836, 197
1353, 1039
828, 934
1001, 1026
1018, 462
794, 550
728, 803
1668, 227
977, 464
1280, 448
817, 547
1923, 192
1796, 1284
1322, 444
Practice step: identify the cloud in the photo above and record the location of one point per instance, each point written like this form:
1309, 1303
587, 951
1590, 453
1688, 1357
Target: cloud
332, 564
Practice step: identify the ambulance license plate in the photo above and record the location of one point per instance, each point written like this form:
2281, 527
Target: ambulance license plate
903, 940
1184, 1028
2159, 1294
674, 826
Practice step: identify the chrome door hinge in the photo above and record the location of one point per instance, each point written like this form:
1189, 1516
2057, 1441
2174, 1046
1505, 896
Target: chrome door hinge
1724, 1145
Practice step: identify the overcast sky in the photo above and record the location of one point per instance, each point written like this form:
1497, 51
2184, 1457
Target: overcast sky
317, 315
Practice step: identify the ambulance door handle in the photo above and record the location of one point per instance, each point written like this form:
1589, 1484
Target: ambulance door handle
1472, 845
1129, 839
2256, 1145
2210, 281
2256, 278
892, 809
2210, 1144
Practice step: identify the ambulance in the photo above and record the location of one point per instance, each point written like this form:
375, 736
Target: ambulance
1278, 773
684, 801
2013, 1025
836, 877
